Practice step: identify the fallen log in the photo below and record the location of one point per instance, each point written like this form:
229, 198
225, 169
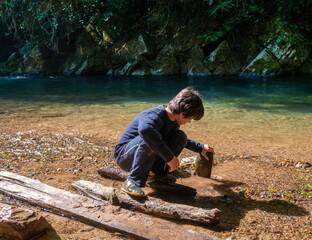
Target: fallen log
113, 173
148, 205
117, 174
93, 212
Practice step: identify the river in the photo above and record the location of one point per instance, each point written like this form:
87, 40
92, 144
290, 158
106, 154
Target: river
271, 117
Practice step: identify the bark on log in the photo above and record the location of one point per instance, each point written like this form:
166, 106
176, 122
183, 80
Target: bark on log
113, 173
93, 212
148, 205
174, 188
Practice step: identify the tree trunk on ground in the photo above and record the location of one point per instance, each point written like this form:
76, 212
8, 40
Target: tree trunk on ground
148, 205
96, 213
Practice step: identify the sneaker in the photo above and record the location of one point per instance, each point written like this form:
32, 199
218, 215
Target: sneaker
132, 189
165, 179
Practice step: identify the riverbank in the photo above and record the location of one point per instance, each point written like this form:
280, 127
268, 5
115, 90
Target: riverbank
258, 182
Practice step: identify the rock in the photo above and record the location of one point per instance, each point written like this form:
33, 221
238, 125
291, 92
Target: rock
92, 53
221, 61
166, 63
265, 64
181, 55
203, 166
306, 67
21, 223
194, 63
188, 161
299, 164
280, 41
306, 165
132, 50
128, 55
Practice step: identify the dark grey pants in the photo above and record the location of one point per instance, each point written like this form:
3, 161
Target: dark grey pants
138, 159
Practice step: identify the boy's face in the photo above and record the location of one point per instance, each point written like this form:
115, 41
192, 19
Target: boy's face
181, 120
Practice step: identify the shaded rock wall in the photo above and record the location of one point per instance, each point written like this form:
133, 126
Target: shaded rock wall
92, 51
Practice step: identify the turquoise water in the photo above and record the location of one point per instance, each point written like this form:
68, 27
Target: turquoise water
269, 95
267, 117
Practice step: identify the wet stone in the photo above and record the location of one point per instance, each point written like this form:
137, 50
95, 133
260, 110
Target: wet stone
21, 223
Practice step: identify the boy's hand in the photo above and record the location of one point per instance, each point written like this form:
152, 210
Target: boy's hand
173, 164
206, 149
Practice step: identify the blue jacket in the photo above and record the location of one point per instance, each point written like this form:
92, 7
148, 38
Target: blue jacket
154, 125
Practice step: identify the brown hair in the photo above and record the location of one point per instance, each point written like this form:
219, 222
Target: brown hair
189, 102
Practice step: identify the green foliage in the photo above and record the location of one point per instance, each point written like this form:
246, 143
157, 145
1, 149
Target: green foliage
221, 6
305, 193
48, 20
211, 36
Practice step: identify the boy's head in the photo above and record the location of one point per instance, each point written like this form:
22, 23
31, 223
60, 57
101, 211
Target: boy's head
189, 102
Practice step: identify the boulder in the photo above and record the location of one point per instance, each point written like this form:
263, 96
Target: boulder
288, 55
265, 64
97, 54
221, 61
244, 49
181, 55
13, 64
194, 62
306, 67
21, 223
129, 56
32, 61
33, 58
285, 46
166, 62
92, 53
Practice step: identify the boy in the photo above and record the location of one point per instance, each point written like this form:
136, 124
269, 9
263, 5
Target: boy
152, 141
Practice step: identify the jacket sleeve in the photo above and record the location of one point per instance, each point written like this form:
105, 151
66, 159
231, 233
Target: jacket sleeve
194, 146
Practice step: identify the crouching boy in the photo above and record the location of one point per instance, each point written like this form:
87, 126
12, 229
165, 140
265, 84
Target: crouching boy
152, 142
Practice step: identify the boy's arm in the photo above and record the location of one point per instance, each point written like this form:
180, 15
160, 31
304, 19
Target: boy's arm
200, 148
194, 146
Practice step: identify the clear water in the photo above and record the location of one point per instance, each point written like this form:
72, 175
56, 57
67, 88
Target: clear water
263, 113
271, 95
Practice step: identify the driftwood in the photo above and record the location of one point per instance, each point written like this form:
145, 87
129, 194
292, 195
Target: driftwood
173, 188
148, 205
93, 212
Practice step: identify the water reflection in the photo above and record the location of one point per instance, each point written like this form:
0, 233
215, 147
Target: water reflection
289, 94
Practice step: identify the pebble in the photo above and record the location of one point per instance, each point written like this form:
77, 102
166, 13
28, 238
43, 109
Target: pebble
306, 165
188, 161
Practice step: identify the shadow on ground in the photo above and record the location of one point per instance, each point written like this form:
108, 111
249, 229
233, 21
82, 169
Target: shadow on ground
233, 205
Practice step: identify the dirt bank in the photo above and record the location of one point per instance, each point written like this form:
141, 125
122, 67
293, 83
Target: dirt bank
262, 194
